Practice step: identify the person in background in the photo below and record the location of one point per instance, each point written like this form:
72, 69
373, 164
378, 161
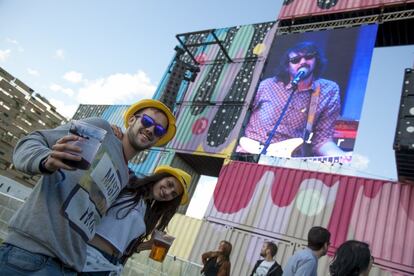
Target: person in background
305, 262
268, 266
145, 205
48, 235
352, 258
217, 263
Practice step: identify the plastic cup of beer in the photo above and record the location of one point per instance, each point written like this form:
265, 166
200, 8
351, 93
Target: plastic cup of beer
162, 243
90, 140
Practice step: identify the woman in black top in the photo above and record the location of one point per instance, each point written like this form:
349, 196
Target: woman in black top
217, 263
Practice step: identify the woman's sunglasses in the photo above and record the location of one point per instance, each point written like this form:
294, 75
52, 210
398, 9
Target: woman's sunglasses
148, 121
297, 59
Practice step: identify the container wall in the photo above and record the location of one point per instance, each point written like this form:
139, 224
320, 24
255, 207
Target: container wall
214, 106
146, 161
213, 130
112, 113
304, 8
178, 162
286, 203
247, 246
185, 230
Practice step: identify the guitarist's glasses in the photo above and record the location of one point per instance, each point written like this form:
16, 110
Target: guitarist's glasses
297, 59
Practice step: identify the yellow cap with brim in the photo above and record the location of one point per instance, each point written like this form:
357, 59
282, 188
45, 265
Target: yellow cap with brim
183, 177
134, 108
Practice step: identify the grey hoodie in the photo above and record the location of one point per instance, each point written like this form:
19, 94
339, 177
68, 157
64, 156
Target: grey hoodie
61, 213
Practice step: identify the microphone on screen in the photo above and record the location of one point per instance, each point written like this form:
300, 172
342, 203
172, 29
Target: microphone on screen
300, 75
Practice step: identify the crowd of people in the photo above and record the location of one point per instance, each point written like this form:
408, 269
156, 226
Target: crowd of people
352, 258
87, 217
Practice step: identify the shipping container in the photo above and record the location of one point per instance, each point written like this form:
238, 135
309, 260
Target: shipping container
146, 161
211, 111
292, 9
208, 129
112, 113
194, 237
286, 203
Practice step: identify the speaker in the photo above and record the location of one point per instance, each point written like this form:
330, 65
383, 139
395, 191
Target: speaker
176, 77
404, 134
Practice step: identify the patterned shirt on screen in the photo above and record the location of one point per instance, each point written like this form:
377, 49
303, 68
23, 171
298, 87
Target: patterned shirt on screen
268, 105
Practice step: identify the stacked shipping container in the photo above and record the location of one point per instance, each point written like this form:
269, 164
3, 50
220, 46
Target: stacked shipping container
253, 203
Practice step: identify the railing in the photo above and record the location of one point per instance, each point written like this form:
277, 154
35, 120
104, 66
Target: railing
141, 265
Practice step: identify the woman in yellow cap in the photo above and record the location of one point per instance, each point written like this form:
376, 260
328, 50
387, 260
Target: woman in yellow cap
146, 204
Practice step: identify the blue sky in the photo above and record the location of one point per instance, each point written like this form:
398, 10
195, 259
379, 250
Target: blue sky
79, 51
115, 52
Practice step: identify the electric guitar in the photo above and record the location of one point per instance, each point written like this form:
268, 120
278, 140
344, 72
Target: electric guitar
280, 149
286, 148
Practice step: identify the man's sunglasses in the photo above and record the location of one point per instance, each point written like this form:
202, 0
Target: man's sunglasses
297, 59
148, 121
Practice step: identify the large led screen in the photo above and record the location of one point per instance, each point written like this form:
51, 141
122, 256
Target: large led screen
309, 99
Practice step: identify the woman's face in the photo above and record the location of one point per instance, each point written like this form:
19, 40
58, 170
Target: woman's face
221, 247
167, 189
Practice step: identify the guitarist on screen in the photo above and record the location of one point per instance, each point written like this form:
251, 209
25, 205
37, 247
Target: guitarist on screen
309, 116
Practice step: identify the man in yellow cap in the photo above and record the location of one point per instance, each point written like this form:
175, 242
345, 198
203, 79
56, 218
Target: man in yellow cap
48, 235
148, 123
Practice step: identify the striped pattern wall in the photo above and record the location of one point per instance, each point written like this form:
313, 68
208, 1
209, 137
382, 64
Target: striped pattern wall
112, 113
204, 123
286, 203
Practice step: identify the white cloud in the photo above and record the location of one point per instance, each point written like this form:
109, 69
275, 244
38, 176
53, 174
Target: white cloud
117, 89
64, 109
57, 88
4, 54
33, 72
11, 40
60, 54
73, 76
15, 42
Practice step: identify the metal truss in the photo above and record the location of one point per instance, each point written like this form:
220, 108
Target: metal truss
347, 22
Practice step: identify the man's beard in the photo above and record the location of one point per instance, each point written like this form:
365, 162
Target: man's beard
262, 254
132, 139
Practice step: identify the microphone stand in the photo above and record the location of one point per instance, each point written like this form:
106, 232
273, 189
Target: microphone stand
293, 88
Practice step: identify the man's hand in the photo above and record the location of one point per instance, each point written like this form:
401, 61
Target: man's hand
117, 131
60, 152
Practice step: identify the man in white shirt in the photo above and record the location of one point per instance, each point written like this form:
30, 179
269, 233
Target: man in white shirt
268, 266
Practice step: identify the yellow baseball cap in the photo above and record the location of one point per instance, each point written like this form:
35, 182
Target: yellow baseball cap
134, 108
183, 177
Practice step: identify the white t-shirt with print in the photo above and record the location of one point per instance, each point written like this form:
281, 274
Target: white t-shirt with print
263, 268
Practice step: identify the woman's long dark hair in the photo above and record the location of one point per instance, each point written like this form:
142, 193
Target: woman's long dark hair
351, 259
158, 213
